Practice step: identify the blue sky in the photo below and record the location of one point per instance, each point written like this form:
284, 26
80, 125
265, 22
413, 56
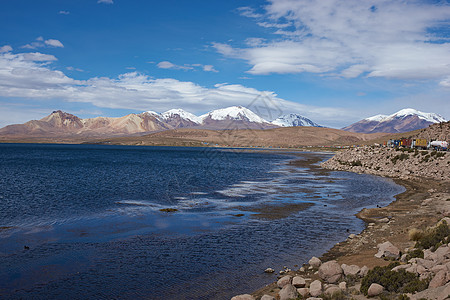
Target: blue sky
334, 62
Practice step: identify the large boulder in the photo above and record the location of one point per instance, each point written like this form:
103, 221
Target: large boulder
387, 250
374, 290
315, 262
330, 271
363, 272
298, 282
243, 297
315, 288
267, 297
288, 292
333, 290
284, 280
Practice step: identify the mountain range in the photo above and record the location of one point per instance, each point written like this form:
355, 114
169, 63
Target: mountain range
60, 123
407, 119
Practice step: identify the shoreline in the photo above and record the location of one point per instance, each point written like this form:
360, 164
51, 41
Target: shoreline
421, 205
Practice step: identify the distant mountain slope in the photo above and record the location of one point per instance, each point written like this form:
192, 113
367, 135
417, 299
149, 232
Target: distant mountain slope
62, 124
402, 121
293, 120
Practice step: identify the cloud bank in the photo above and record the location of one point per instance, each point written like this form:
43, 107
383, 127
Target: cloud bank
388, 39
30, 76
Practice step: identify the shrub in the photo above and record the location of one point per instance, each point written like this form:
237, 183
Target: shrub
357, 163
415, 234
393, 281
434, 237
415, 253
402, 156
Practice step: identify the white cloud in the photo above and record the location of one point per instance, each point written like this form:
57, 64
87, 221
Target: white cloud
209, 68
105, 1
389, 39
54, 43
169, 65
40, 42
6, 48
31, 77
64, 12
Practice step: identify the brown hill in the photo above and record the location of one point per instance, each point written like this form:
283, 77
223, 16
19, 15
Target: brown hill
288, 137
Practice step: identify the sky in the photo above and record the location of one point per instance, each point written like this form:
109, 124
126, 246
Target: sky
335, 62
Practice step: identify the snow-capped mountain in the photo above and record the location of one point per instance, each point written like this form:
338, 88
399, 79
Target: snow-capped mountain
60, 123
180, 118
407, 119
233, 113
292, 120
234, 117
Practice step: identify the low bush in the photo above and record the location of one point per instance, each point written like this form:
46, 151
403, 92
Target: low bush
434, 237
393, 281
415, 253
415, 234
402, 156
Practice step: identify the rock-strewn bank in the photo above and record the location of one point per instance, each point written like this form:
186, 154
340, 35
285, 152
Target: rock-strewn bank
387, 237
397, 163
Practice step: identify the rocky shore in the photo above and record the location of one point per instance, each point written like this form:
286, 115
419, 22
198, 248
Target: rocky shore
404, 252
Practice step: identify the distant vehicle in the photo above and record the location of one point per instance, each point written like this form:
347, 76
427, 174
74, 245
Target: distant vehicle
406, 143
393, 143
439, 145
420, 144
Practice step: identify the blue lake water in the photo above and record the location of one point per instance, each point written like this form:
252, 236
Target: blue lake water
91, 218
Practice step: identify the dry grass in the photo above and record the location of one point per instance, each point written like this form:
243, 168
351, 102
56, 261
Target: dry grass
415, 234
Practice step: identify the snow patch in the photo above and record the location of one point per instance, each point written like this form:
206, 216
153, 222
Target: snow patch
429, 117
182, 114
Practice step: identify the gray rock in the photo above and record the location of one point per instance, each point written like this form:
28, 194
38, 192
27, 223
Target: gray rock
267, 297
315, 262
315, 288
314, 298
438, 280
343, 286
269, 270
363, 272
332, 290
330, 271
439, 293
388, 250
374, 290
303, 292
243, 297
284, 280
351, 270
288, 292
298, 282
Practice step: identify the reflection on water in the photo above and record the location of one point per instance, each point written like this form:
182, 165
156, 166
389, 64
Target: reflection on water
108, 238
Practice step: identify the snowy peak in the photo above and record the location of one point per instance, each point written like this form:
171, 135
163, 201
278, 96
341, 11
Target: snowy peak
407, 119
429, 117
182, 114
233, 113
293, 120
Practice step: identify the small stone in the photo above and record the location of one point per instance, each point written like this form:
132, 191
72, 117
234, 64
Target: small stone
243, 297
332, 290
284, 280
383, 220
374, 290
288, 292
267, 297
343, 286
269, 270
315, 288
351, 270
298, 282
303, 292
388, 250
315, 262
363, 272
302, 269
